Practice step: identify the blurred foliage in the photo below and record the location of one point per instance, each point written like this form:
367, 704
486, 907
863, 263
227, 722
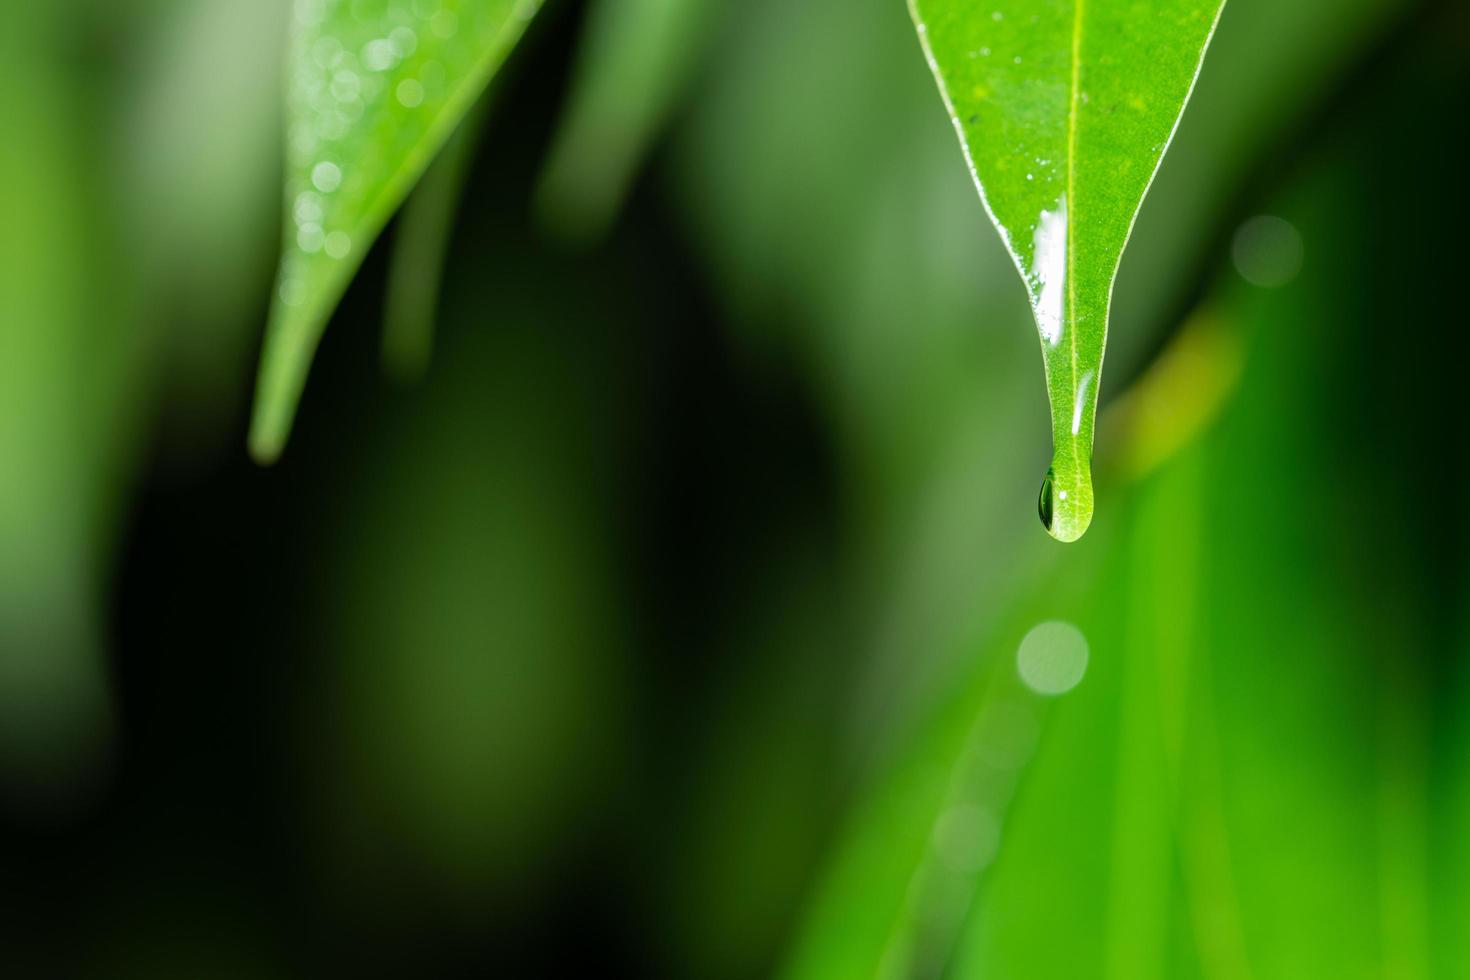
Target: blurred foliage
374, 90
411, 303
632, 68
671, 626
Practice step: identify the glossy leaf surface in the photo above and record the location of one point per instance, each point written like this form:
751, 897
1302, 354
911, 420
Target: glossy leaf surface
1065, 109
375, 88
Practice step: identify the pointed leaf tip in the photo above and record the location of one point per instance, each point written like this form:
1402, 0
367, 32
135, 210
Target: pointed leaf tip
1065, 111
374, 91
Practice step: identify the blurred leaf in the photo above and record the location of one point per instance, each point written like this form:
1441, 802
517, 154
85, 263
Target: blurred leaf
1065, 115
902, 879
74, 359
1182, 392
417, 270
634, 60
198, 191
376, 88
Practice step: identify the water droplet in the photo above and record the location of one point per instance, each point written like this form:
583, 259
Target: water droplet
410, 93
345, 86
1079, 403
310, 13
1044, 503
326, 52
1052, 658
326, 176
1267, 251
966, 838
379, 55
310, 238
1049, 271
307, 209
338, 244
291, 292
1065, 502
303, 138
405, 41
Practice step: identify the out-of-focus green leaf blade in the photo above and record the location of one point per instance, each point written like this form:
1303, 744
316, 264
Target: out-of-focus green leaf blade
634, 60
1065, 109
417, 271
375, 89
75, 360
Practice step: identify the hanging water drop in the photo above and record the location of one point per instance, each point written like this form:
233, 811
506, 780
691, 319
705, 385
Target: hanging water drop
1065, 502
1044, 505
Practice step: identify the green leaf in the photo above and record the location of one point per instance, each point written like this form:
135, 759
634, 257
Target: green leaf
632, 66
421, 241
376, 87
1065, 109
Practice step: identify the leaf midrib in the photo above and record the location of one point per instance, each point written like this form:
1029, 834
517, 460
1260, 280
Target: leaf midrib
1070, 318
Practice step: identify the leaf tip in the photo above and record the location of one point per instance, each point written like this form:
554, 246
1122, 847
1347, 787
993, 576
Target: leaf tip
278, 386
1065, 502
264, 444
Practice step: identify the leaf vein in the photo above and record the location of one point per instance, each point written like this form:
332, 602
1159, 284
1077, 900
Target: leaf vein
1070, 315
